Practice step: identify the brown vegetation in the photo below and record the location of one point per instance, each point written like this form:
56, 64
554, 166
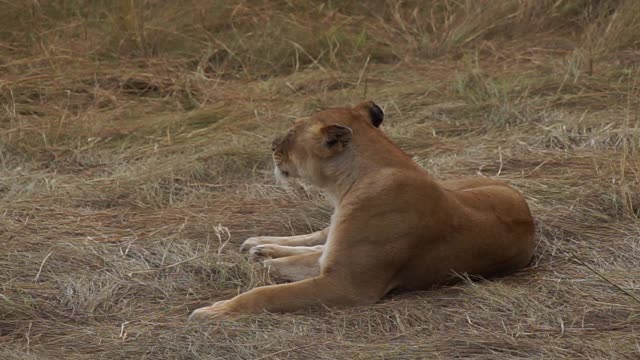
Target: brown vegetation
134, 159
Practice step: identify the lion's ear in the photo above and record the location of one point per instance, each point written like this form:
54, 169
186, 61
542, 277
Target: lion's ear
372, 111
336, 137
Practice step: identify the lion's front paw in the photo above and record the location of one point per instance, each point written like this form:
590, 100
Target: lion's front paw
217, 311
262, 251
251, 242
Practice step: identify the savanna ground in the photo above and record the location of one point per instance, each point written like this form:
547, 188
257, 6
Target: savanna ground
134, 159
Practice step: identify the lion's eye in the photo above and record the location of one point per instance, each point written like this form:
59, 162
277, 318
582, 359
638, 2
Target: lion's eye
290, 136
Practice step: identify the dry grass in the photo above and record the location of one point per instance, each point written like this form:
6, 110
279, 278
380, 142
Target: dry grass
134, 160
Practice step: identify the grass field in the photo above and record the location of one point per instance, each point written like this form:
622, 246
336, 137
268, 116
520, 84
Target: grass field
134, 159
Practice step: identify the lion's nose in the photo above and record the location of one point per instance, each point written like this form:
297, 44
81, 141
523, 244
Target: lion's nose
275, 143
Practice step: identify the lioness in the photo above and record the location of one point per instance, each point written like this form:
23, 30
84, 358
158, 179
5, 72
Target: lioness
394, 225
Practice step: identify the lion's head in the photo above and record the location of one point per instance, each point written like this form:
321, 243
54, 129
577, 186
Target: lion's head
315, 147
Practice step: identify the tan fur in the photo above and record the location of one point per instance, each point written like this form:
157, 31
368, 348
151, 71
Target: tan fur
394, 226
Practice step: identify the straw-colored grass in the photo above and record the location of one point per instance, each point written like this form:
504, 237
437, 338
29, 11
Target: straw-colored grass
134, 159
